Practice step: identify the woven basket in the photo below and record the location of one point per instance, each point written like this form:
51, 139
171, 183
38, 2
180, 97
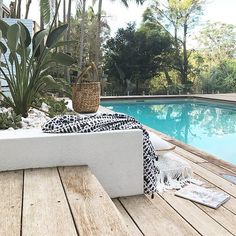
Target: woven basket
86, 95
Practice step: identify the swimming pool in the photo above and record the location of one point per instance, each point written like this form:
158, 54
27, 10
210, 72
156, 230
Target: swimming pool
209, 126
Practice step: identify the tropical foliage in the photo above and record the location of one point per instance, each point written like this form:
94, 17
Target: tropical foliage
177, 69
26, 68
154, 58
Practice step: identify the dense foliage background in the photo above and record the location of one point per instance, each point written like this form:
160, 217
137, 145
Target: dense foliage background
152, 58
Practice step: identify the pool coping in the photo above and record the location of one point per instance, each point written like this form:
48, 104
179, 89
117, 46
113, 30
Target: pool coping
203, 97
207, 156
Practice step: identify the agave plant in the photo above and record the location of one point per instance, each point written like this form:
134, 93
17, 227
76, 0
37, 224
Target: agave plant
26, 67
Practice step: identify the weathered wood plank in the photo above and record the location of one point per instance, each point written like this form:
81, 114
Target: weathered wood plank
213, 178
11, 200
222, 216
93, 211
203, 223
156, 217
220, 171
206, 156
133, 229
45, 209
190, 156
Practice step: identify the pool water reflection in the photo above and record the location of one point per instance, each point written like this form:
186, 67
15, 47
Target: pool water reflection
207, 126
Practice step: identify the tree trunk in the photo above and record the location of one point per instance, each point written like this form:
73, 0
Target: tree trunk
57, 18
168, 79
185, 56
178, 55
64, 20
68, 21
18, 12
68, 38
137, 86
27, 8
1, 3
81, 45
64, 37
98, 42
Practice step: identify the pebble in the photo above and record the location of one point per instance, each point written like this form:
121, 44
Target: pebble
35, 119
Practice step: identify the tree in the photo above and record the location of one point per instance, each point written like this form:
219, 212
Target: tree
98, 33
217, 43
151, 24
218, 40
178, 17
134, 56
45, 10
83, 29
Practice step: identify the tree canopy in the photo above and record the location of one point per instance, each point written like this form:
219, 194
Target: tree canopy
134, 56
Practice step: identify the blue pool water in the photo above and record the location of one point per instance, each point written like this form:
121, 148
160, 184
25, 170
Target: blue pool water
208, 126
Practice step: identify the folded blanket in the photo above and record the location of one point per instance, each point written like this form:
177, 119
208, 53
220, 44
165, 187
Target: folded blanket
106, 122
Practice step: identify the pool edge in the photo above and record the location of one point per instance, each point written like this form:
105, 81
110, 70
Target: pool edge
190, 96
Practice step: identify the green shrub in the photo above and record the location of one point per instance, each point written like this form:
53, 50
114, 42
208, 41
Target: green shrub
56, 107
10, 120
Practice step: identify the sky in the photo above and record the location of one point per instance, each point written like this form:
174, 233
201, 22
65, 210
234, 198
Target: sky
215, 10
118, 15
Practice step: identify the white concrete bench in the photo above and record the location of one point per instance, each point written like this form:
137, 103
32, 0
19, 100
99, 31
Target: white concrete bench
115, 157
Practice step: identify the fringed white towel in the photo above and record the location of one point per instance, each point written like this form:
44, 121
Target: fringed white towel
173, 172
153, 176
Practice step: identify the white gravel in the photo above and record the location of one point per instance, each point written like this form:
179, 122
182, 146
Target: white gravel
35, 118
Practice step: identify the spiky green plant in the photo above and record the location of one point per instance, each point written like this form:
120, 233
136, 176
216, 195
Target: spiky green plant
29, 61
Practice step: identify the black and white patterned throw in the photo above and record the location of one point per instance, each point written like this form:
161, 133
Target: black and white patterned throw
108, 122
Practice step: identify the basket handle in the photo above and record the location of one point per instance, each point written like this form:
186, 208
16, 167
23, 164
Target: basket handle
92, 66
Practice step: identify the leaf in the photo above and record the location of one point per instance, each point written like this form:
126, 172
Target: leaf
55, 35
63, 59
63, 43
3, 47
13, 35
25, 34
48, 79
38, 38
11, 58
45, 10
4, 27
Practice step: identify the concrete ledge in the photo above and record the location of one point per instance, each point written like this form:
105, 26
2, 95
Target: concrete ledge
115, 157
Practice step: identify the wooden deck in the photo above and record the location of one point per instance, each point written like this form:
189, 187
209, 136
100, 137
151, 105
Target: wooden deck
167, 214
70, 201
224, 97
56, 201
